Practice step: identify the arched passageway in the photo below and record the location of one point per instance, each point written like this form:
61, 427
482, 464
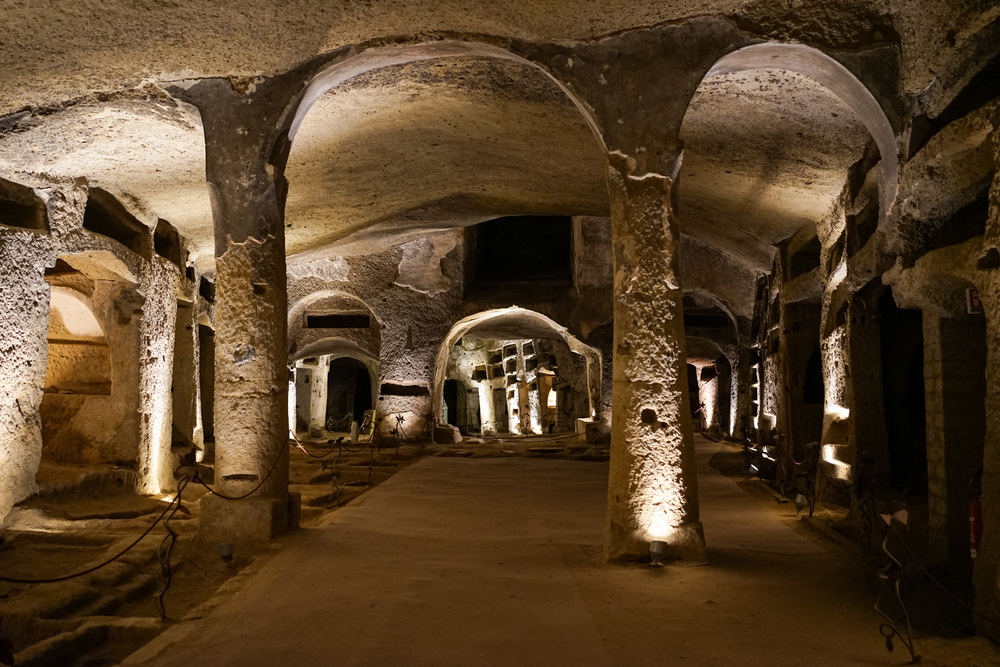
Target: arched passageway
514, 371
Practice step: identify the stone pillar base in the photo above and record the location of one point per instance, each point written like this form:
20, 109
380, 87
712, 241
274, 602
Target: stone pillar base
685, 543
248, 524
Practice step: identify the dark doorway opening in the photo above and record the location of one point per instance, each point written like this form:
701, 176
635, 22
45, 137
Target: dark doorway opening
348, 393
206, 374
451, 402
903, 395
813, 391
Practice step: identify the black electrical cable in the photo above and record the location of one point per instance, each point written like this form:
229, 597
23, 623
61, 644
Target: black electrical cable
14, 580
166, 570
274, 465
311, 455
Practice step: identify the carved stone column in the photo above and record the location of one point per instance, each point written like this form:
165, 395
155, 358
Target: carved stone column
652, 492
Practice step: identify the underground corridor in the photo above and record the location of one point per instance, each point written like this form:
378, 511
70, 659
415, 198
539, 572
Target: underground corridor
506, 334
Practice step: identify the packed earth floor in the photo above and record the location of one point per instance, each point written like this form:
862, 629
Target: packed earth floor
497, 560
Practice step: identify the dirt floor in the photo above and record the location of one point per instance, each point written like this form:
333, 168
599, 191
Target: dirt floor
84, 515
498, 561
486, 552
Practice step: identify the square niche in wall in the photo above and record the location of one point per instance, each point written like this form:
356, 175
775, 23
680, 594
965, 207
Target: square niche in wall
521, 249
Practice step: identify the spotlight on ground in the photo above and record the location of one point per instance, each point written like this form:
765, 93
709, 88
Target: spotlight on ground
226, 553
657, 551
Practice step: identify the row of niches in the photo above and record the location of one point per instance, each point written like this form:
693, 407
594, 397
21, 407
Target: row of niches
22, 209
514, 387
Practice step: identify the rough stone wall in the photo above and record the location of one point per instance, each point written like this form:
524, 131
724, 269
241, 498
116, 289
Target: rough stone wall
986, 575
410, 324
955, 381
97, 427
411, 321
24, 302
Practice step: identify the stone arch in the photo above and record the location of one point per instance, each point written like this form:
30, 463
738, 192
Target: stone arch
525, 322
378, 57
300, 336
334, 348
836, 78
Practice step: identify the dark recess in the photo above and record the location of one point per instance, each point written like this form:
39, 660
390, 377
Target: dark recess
20, 208
805, 259
967, 223
339, 321
404, 390
167, 242
526, 248
206, 288
813, 390
982, 88
903, 394
106, 216
707, 320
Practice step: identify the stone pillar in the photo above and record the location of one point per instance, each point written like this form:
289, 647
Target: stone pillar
487, 415
157, 329
652, 492
184, 385
986, 573
24, 305
244, 162
250, 387
317, 397
303, 398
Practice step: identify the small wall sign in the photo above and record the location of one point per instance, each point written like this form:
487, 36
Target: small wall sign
972, 302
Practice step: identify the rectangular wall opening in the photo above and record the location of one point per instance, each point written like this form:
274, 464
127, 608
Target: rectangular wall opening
106, 216
339, 321
21, 208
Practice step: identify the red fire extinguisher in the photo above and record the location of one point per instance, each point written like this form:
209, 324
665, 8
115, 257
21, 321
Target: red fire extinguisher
976, 516
975, 526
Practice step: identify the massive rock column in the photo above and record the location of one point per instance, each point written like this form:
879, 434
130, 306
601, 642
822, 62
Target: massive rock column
652, 490
251, 374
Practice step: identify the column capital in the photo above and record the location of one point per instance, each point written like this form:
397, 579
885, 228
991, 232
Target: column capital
638, 84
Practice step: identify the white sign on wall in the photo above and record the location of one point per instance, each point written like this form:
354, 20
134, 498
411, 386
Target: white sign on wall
972, 302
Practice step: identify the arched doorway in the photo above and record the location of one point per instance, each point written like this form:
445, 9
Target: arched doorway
348, 393
515, 372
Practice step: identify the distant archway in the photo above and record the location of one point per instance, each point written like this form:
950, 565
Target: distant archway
516, 323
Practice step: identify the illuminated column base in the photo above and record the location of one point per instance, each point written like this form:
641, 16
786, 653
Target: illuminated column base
652, 486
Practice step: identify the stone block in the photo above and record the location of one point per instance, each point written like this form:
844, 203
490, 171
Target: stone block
249, 524
446, 434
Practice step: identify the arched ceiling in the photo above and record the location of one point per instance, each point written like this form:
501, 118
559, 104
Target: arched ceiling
55, 50
407, 149
437, 144
765, 152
